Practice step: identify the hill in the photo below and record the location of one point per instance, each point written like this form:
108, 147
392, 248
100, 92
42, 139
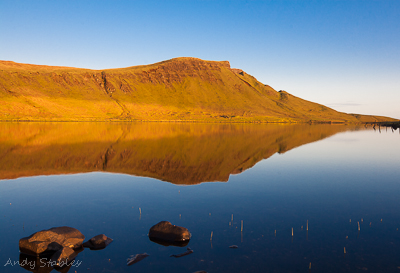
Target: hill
187, 89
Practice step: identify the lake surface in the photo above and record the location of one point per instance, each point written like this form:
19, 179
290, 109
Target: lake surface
207, 178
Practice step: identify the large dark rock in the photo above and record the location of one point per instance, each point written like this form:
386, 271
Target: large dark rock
165, 231
51, 240
98, 242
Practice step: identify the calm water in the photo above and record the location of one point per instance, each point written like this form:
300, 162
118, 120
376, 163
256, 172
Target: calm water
95, 177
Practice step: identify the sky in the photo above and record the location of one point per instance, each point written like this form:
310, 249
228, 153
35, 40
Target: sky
342, 54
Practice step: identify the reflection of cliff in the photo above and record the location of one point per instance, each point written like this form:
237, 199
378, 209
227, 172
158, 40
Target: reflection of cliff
178, 153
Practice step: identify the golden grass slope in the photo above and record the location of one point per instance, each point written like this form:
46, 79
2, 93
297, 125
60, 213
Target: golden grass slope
187, 89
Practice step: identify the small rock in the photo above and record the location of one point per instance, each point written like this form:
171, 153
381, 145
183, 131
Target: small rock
189, 251
165, 231
136, 258
98, 242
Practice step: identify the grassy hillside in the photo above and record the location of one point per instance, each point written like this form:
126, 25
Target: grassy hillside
177, 89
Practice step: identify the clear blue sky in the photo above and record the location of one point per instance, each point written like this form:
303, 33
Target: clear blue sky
343, 54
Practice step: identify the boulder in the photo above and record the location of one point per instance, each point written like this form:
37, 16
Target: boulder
165, 231
98, 242
51, 240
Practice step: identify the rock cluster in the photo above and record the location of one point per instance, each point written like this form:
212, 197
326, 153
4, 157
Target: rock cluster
58, 247
60, 244
62, 241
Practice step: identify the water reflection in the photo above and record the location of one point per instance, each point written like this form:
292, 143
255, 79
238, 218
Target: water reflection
178, 153
166, 243
333, 204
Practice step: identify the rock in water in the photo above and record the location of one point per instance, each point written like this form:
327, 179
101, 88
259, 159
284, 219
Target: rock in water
98, 242
136, 258
189, 251
165, 231
51, 240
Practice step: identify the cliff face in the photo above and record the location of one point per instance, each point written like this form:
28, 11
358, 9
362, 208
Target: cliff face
177, 89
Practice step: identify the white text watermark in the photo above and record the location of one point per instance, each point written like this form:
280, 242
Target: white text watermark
43, 262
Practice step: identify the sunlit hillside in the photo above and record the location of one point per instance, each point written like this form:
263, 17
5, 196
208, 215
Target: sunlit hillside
178, 89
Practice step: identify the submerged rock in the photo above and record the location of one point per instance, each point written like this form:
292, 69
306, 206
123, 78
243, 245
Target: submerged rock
189, 251
98, 242
165, 231
51, 240
136, 258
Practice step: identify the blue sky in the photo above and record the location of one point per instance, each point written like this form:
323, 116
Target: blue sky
343, 54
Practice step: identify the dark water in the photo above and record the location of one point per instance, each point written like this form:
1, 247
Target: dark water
320, 174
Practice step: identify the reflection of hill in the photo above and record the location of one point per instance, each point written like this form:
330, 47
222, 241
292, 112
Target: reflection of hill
178, 153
